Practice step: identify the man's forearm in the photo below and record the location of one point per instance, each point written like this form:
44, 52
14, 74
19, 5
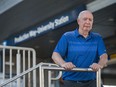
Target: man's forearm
57, 58
103, 60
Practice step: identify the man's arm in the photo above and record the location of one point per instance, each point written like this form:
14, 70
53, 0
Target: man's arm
59, 60
102, 62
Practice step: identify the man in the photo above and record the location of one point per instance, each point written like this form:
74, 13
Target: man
81, 48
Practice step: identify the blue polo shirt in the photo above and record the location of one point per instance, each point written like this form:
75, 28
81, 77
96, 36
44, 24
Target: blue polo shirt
82, 52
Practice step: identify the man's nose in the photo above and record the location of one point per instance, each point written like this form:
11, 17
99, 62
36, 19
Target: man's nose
87, 21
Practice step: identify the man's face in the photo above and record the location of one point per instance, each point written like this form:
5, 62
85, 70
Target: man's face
85, 21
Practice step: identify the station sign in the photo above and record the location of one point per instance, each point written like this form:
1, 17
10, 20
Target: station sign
54, 23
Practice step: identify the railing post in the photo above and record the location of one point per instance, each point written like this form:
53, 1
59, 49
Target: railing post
98, 78
34, 71
24, 68
3, 64
49, 78
10, 66
41, 76
18, 68
29, 74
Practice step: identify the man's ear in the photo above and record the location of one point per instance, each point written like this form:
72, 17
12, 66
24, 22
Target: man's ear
78, 21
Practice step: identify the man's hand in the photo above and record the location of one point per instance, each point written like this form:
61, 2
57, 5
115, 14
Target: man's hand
96, 66
68, 65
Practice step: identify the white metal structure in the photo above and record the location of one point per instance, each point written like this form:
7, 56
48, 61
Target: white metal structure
15, 61
54, 67
50, 67
22, 57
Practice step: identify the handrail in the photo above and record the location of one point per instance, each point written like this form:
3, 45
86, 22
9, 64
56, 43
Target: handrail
18, 54
42, 68
20, 75
98, 75
15, 47
74, 69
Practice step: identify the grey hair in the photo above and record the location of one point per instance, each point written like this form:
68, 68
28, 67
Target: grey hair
82, 13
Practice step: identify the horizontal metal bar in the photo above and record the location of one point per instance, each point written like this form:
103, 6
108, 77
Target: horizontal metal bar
13, 47
62, 69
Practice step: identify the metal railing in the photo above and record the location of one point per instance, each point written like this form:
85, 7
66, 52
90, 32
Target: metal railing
52, 67
15, 62
20, 75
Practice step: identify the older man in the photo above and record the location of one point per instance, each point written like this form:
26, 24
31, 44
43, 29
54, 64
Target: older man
83, 49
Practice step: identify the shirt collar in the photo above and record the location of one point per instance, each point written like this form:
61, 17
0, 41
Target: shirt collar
77, 34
